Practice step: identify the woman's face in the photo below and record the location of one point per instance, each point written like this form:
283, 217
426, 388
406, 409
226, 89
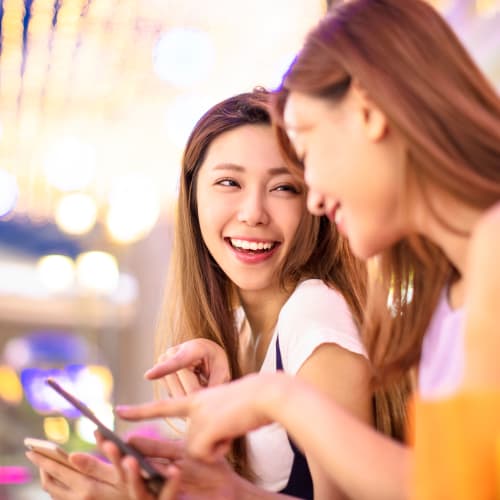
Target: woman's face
354, 167
249, 205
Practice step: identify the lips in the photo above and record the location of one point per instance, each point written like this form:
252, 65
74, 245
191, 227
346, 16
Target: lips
336, 215
252, 251
332, 213
251, 246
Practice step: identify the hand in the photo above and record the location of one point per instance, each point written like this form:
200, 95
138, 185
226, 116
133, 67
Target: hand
219, 414
188, 479
94, 478
191, 366
128, 471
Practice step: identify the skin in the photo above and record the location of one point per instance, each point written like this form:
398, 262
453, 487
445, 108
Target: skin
482, 305
374, 213
374, 216
245, 192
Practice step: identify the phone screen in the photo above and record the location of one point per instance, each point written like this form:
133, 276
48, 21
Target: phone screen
154, 479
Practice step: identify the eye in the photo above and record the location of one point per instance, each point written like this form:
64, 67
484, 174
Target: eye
227, 182
287, 188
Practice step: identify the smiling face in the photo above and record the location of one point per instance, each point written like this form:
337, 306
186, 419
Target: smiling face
354, 165
249, 206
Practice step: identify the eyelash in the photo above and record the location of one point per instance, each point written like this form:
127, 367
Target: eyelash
281, 187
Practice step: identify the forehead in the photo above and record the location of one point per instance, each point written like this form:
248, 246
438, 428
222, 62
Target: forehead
246, 145
302, 110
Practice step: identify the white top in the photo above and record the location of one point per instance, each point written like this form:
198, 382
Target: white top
442, 362
313, 315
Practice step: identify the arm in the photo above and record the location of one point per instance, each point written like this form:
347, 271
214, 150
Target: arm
364, 463
343, 377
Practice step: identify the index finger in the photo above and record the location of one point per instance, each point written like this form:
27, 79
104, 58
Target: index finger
183, 358
178, 407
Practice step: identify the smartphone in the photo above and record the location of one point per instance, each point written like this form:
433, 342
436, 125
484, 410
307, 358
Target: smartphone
48, 449
154, 479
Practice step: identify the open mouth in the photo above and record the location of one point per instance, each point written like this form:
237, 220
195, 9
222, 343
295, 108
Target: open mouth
252, 247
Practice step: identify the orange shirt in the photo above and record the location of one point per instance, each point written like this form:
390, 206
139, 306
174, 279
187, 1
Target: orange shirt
457, 448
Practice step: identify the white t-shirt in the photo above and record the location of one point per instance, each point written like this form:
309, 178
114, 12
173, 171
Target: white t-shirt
313, 315
441, 367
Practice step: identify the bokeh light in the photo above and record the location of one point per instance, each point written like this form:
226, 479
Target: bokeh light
94, 383
70, 164
76, 213
9, 192
56, 272
17, 352
183, 57
11, 391
85, 428
56, 429
42, 397
97, 272
181, 116
13, 474
134, 207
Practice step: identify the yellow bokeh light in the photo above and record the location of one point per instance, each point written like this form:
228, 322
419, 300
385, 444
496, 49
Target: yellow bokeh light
134, 208
56, 429
76, 213
56, 272
97, 272
11, 390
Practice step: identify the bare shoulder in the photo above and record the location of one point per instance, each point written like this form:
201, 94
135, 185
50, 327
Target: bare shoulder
483, 302
487, 229
484, 246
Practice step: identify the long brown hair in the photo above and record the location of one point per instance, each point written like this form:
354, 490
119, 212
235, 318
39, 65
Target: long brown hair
200, 299
415, 69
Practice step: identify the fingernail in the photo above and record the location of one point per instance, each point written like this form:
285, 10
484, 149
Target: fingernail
122, 408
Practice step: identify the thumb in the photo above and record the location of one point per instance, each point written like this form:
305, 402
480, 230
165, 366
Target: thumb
93, 467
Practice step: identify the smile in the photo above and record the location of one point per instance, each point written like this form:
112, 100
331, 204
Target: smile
252, 251
253, 246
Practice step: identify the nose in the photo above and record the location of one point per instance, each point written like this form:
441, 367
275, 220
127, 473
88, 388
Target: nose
252, 210
316, 203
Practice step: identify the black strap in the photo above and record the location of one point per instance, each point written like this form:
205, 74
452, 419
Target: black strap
300, 481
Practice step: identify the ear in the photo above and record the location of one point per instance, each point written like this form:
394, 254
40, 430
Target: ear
373, 118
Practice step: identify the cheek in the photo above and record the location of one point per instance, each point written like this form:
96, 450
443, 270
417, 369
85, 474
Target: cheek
291, 217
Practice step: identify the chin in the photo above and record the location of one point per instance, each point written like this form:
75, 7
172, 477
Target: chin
364, 250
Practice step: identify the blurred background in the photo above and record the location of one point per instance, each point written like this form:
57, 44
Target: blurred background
97, 98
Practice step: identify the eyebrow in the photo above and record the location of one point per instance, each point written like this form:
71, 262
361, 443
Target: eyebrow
239, 168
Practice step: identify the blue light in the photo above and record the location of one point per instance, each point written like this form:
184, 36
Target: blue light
42, 397
183, 57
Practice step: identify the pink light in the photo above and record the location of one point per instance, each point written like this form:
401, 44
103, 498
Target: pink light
14, 475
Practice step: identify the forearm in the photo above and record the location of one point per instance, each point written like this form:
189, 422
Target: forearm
363, 462
245, 490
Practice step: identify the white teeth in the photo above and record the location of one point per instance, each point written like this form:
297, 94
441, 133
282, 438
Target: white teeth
251, 245
338, 215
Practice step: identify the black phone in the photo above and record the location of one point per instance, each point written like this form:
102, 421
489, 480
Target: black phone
154, 479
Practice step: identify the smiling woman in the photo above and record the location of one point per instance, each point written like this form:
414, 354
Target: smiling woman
249, 208
258, 284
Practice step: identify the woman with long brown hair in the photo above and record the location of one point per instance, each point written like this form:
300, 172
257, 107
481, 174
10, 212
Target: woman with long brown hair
258, 284
398, 132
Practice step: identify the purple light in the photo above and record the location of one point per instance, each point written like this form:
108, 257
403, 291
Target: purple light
14, 475
42, 397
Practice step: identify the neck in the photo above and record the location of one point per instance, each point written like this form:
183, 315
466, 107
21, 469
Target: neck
262, 308
453, 241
